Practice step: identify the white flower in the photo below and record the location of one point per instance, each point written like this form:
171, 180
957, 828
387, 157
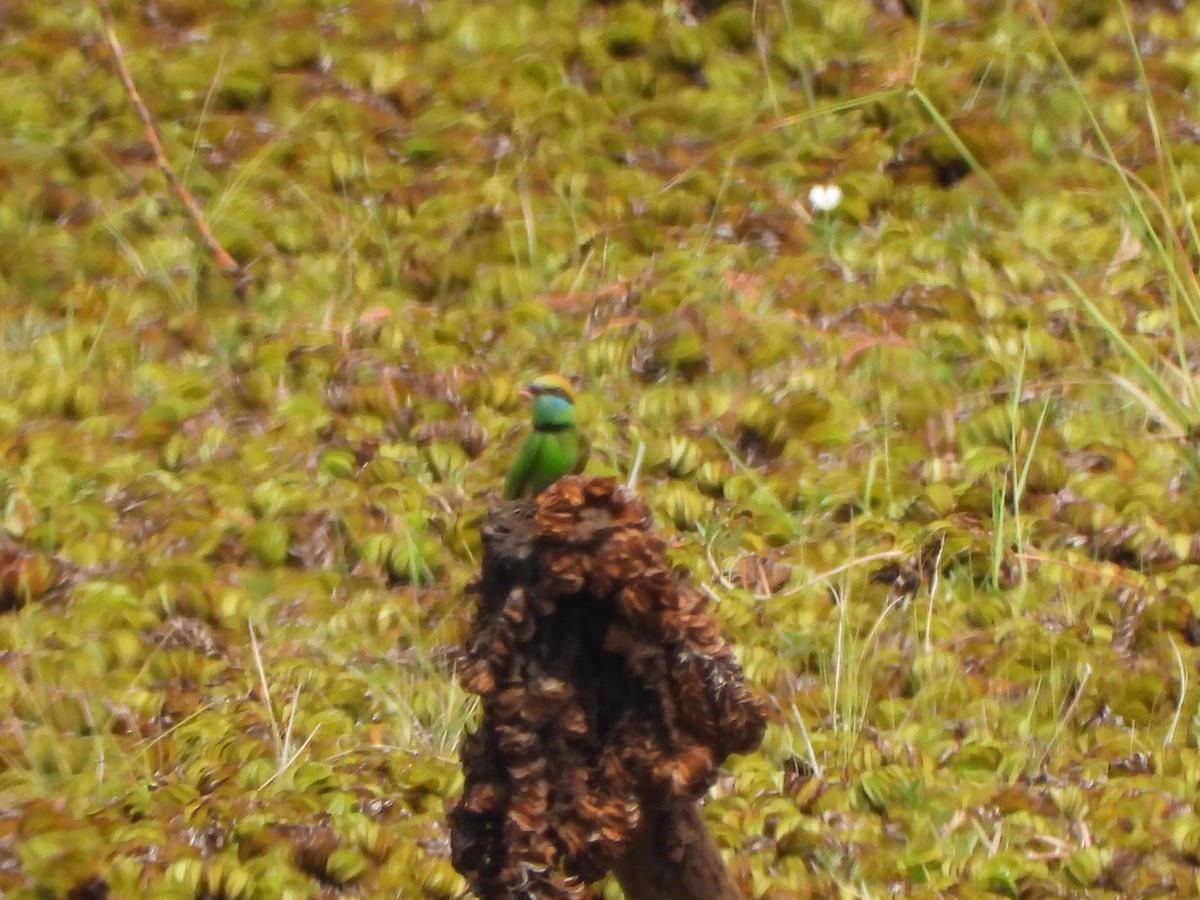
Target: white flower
824, 197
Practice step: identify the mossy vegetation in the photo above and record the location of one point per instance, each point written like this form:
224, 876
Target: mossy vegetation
933, 449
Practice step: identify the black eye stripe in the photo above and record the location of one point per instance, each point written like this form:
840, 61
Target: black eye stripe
556, 391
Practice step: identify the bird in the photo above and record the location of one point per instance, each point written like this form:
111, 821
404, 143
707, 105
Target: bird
554, 448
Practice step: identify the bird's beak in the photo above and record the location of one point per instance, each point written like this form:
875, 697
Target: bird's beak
526, 392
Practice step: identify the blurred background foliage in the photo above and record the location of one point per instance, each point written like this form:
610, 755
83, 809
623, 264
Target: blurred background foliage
931, 451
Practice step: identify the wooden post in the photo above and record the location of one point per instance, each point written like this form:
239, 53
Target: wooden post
609, 700
671, 855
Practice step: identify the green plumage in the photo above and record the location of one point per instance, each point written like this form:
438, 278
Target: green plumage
544, 458
554, 448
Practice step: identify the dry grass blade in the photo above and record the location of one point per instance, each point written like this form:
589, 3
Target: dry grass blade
226, 263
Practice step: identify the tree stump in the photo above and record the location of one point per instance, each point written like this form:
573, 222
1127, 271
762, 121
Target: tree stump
609, 700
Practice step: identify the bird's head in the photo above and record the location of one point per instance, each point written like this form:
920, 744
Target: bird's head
553, 401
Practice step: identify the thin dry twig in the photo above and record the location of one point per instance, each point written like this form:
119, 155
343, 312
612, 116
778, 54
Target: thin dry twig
220, 255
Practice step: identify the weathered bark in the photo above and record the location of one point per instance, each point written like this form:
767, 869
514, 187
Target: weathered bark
609, 700
672, 855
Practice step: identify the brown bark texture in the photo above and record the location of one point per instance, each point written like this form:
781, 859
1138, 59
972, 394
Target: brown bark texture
610, 698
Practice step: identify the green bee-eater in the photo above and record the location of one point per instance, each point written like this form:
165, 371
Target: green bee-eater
555, 448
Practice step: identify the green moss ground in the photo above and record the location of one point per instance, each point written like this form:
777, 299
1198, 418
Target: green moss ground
934, 451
